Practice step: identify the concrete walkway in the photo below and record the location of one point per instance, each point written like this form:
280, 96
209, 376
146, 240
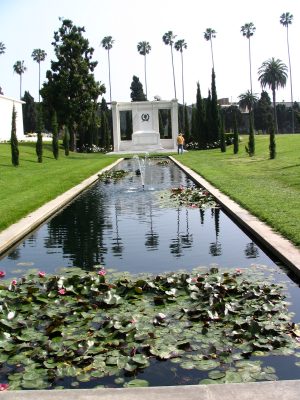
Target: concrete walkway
289, 254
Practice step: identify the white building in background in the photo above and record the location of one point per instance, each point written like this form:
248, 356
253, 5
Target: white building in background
6, 108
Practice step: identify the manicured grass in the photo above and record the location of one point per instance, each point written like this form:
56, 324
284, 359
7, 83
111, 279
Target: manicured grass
269, 189
31, 184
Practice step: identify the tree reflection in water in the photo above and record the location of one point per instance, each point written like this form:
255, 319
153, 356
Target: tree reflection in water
152, 238
215, 248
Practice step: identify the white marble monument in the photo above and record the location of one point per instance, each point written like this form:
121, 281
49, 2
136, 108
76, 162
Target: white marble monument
145, 135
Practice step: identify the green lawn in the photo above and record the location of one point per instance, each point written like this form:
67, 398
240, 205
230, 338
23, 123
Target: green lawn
270, 189
31, 184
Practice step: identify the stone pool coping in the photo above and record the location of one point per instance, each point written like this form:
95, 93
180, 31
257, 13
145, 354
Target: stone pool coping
280, 390
272, 241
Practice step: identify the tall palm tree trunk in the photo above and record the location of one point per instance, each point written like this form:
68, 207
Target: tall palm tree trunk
250, 66
109, 74
290, 68
275, 113
173, 72
212, 54
182, 81
146, 77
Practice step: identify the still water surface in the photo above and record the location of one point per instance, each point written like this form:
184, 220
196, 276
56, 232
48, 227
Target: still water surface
128, 228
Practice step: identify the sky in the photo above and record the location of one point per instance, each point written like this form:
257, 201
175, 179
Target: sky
26, 25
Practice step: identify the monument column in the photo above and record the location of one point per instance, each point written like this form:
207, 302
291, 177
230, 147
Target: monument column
174, 116
116, 125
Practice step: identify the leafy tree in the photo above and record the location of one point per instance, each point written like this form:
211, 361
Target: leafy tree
262, 112
14, 140
29, 113
55, 149
210, 34
286, 19
71, 89
39, 55
168, 39
2, 48
137, 92
232, 116
39, 142
180, 45
273, 73
248, 31
144, 48
19, 68
107, 43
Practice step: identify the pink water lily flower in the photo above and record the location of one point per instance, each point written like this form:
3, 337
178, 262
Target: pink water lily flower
238, 271
2, 274
102, 272
42, 274
14, 282
62, 291
4, 386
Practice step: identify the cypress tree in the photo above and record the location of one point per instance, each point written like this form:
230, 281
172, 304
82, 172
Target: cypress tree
39, 142
222, 136
200, 120
235, 136
14, 140
215, 119
250, 149
66, 140
272, 145
105, 134
54, 124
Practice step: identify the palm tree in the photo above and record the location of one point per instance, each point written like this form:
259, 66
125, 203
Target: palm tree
248, 31
209, 34
168, 39
107, 43
248, 100
273, 73
39, 55
20, 68
179, 46
2, 48
286, 19
144, 48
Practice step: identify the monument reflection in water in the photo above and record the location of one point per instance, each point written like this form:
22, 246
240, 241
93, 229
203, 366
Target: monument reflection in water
125, 226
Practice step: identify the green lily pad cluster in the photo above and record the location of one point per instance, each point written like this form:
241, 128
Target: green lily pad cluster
194, 197
112, 176
88, 326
